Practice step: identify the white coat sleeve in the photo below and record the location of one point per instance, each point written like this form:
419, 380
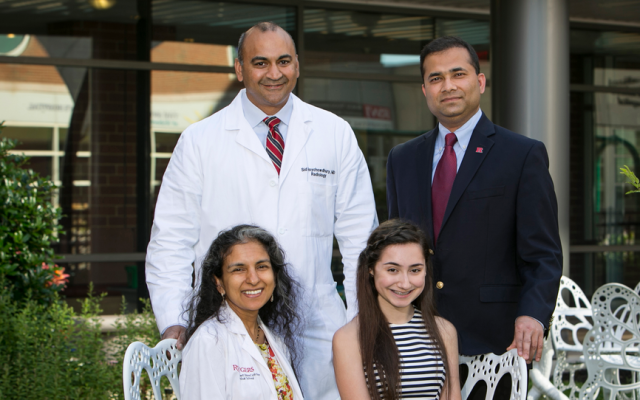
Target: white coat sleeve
355, 211
175, 232
202, 375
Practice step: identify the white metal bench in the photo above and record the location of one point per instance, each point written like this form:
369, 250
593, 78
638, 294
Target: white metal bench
159, 361
490, 368
612, 345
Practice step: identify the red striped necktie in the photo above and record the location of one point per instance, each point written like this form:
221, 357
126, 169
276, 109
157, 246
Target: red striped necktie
442, 183
275, 143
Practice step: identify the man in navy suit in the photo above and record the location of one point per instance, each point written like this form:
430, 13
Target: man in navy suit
485, 196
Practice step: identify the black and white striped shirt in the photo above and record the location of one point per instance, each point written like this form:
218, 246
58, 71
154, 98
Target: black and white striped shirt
422, 372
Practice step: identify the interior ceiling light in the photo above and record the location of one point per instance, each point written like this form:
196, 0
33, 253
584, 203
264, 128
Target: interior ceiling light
102, 4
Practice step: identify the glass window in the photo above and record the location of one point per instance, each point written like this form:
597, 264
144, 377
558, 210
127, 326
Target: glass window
69, 29
605, 58
82, 133
474, 32
361, 42
605, 134
205, 32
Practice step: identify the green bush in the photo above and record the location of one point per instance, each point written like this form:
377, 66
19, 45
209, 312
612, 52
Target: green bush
52, 353
28, 227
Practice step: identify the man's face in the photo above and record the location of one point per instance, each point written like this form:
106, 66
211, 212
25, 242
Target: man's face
452, 87
270, 69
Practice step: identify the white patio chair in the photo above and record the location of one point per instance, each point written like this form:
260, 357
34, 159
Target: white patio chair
612, 345
160, 361
570, 320
490, 368
571, 317
540, 373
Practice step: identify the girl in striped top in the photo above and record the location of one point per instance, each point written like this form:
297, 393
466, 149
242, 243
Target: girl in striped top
397, 338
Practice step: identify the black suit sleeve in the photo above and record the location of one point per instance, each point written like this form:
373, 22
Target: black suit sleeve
538, 240
392, 199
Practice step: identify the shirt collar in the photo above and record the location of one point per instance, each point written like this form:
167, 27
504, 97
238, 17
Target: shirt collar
464, 132
255, 116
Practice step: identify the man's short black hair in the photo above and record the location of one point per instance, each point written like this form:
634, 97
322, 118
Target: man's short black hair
262, 27
446, 43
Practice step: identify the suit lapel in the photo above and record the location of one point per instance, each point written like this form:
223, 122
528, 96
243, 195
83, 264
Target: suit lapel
425, 152
470, 163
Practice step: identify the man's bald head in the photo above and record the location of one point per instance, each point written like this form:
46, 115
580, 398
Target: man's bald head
260, 27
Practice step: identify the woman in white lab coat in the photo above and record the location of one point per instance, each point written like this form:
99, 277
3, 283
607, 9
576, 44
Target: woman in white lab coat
243, 327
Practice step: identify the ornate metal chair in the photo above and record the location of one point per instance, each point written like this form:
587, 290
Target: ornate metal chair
571, 318
540, 374
490, 368
612, 346
160, 361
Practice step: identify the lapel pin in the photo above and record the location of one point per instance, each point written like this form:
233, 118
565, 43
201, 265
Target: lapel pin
478, 149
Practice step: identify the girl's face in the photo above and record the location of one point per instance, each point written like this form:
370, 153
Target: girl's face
399, 276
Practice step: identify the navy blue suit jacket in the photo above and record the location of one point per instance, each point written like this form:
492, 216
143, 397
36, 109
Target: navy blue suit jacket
498, 253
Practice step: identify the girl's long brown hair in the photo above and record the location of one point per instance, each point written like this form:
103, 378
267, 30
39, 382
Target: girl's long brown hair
377, 345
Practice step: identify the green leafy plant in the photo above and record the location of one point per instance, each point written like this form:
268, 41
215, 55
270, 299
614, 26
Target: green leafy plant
631, 179
28, 228
52, 353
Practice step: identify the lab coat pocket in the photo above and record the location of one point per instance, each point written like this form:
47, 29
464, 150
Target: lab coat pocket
317, 207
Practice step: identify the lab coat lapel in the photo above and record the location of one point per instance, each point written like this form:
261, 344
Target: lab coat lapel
246, 136
278, 348
236, 326
471, 162
297, 135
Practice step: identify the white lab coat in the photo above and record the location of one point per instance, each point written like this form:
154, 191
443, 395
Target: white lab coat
220, 176
221, 362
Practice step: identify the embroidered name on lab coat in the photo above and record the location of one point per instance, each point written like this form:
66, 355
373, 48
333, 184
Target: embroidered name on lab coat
246, 373
319, 172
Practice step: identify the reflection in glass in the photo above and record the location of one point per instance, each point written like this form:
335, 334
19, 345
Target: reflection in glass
592, 270
474, 32
353, 41
607, 127
81, 132
217, 23
605, 58
594, 42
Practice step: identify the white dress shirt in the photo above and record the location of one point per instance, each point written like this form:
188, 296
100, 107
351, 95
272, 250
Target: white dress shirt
463, 134
255, 116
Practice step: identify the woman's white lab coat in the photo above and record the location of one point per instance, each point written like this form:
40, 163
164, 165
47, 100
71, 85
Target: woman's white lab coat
221, 362
220, 176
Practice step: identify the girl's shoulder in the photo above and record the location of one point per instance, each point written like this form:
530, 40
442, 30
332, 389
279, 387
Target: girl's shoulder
445, 327
348, 333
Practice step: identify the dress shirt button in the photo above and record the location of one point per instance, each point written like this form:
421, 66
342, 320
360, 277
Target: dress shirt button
439, 285
272, 183
282, 231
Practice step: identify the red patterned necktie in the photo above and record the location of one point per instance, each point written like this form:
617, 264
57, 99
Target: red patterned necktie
442, 183
275, 143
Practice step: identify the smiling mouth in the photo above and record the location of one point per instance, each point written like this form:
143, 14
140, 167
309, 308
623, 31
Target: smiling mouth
252, 292
401, 293
274, 85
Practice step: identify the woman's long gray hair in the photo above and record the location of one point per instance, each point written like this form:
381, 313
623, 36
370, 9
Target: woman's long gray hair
280, 315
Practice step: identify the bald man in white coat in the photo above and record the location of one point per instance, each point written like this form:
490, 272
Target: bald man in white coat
221, 174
